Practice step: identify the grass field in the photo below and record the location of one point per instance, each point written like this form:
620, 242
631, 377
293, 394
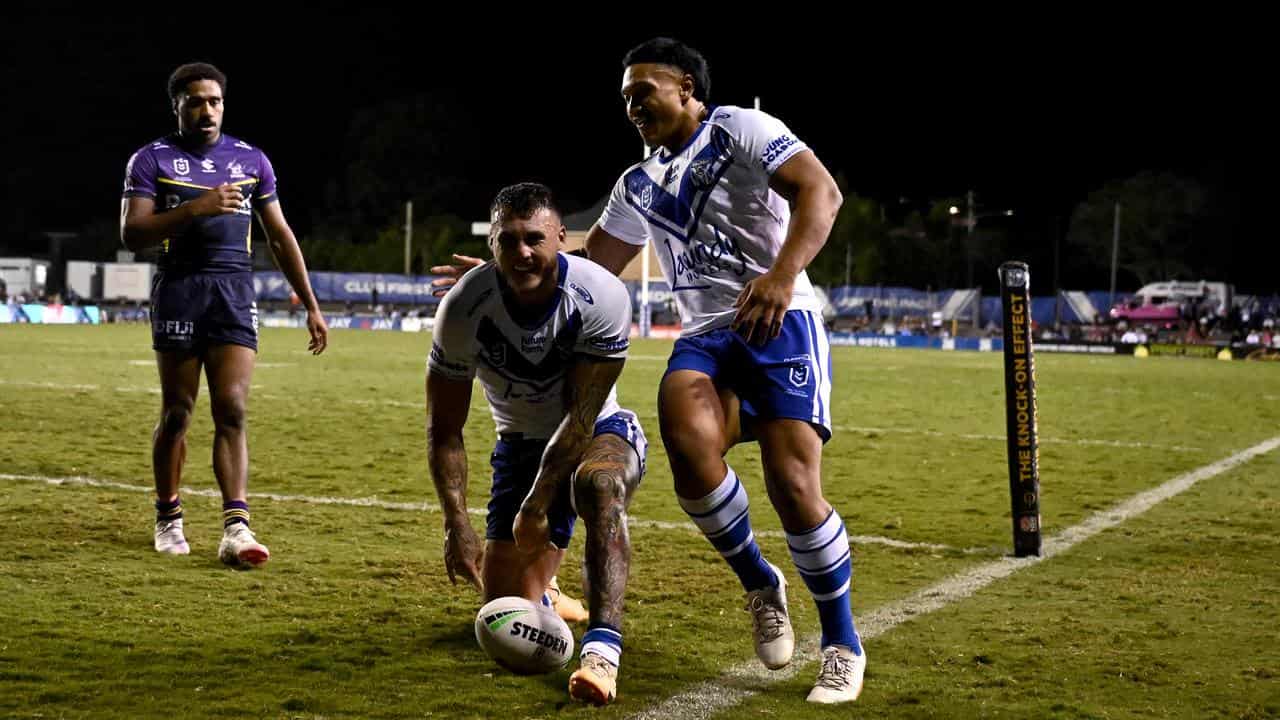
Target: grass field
1172, 613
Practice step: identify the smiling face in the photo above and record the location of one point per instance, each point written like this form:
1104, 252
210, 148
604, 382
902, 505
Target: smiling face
524, 249
660, 103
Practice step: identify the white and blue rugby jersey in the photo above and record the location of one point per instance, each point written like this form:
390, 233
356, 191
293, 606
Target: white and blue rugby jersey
523, 367
710, 212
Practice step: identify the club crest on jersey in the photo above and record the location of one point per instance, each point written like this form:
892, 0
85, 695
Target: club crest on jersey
646, 197
700, 174
236, 169
799, 375
181, 166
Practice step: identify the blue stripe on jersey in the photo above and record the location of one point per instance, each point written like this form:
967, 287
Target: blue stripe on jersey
669, 158
508, 362
679, 214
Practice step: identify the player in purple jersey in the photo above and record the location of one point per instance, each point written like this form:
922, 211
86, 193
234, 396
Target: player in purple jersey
193, 193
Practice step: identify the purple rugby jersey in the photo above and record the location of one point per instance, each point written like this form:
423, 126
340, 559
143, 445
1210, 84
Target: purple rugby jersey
172, 173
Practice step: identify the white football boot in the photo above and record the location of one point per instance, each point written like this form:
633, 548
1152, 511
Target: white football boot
840, 678
771, 625
169, 538
240, 548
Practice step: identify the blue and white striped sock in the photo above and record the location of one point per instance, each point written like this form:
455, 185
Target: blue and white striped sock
604, 640
821, 554
722, 516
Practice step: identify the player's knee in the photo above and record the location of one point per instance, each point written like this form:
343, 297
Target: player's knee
175, 419
795, 494
229, 412
796, 490
600, 489
691, 439
793, 471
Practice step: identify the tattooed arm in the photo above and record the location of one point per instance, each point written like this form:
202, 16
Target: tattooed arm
447, 404
587, 386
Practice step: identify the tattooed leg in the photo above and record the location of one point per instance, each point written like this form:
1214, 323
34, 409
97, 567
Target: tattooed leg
602, 487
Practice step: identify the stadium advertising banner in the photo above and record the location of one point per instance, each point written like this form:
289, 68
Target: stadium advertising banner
352, 287
915, 341
49, 314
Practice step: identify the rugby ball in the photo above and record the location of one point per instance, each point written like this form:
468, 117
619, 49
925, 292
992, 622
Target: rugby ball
524, 637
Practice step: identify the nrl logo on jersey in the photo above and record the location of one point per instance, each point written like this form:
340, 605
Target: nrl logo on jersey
646, 197
181, 166
496, 354
700, 173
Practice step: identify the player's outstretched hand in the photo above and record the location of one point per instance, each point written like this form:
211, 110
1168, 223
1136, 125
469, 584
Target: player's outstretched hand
452, 273
463, 553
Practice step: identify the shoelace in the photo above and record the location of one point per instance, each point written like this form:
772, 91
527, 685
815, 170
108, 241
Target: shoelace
766, 618
835, 671
598, 665
166, 528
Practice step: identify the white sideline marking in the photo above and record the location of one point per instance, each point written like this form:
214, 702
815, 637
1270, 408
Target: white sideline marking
430, 507
51, 385
744, 680
152, 363
392, 403
478, 402
1050, 440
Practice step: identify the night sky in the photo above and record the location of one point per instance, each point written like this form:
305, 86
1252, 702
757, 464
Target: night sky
1031, 112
